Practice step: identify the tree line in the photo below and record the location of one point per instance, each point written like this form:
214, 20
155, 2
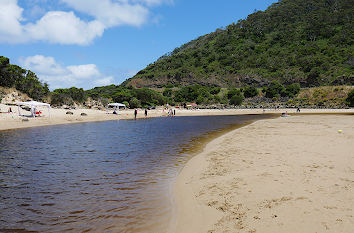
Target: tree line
26, 81
145, 97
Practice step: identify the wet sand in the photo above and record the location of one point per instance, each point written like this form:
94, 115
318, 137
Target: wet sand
289, 174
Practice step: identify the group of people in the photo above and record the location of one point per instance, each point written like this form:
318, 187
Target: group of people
171, 112
9, 110
136, 113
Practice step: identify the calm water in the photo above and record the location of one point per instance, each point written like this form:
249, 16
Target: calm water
110, 176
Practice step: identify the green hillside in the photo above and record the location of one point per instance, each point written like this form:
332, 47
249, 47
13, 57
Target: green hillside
294, 41
23, 80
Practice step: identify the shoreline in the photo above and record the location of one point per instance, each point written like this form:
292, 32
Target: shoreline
191, 207
214, 193
10, 121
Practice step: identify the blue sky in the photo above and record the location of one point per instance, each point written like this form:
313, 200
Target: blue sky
88, 43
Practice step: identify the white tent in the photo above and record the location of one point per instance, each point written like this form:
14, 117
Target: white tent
33, 105
115, 106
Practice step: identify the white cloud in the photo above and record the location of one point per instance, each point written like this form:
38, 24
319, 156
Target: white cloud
154, 2
84, 71
104, 81
58, 76
10, 17
43, 65
110, 13
36, 11
66, 27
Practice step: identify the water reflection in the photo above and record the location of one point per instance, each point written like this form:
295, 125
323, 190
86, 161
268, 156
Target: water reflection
98, 177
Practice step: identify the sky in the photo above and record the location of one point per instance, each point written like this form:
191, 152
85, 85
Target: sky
89, 43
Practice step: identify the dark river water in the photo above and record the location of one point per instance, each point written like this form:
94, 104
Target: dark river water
113, 176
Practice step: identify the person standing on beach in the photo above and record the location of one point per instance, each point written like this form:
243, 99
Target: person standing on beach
135, 113
146, 112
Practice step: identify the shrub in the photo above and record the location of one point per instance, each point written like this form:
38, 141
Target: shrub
292, 90
134, 103
200, 100
121, 96
250, 91
167, 92
68, 96
232, 92
236, 99
126, 104
274, 90
350, 99
215, 90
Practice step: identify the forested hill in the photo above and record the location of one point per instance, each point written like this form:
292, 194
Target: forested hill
294, 41
23, 80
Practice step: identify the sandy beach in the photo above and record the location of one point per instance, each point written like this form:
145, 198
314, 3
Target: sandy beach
58, 116
289, 174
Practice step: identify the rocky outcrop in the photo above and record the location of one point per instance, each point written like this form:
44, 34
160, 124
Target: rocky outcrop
11, 96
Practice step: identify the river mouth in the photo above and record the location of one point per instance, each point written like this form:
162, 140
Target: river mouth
110, 176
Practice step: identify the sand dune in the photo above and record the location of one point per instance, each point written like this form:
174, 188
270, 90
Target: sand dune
291, 174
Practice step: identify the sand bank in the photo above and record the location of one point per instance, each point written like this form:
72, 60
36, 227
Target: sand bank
59, 116
289, 174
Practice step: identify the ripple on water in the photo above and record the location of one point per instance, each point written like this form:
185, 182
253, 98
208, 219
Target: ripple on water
97, 177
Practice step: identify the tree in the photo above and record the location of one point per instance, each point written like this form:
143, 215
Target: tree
292, 90
215, 90
350, 99
68, 96
232, 92
236, 99
167, 92
149, 97
121, 95
250, 91
190, 93
134, 103
126, 104
21, 79
274, 89
235, 96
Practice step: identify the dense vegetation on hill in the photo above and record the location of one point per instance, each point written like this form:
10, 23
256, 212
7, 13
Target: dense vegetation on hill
23, 80
131, 97
275, 93
294, 41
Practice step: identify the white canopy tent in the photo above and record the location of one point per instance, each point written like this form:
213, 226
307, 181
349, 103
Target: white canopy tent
115, 106
32, 105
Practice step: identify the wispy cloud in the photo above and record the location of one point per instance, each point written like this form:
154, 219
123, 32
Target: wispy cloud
59, 76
